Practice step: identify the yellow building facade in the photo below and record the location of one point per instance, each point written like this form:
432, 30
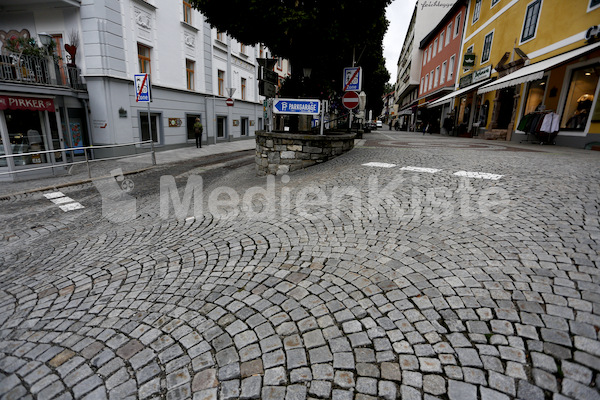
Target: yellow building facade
530, 58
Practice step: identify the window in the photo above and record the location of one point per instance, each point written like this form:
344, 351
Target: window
593, 4
426, 83
487, 47
451, 68
242, 48
429, 55
443, 73
189, 74
279, 64
448, 33
430, 80
494, 2
476, 11
422, 85
435, 45
243, 88
425, 58
187, 12
535, 95
580, 97
153, 124
441, 41
144, 58
531, 20
457, 25
221, 80
437, 76
220, 36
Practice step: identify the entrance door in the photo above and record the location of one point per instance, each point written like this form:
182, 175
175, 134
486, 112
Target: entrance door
221, 127
506, 99
244, 126
154, 118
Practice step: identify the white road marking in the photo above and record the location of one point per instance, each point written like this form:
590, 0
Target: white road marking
478, 175
53, 195
71, 207
380, 165
420, 169
62, 200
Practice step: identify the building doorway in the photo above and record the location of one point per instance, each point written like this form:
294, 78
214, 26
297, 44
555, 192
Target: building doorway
506, 100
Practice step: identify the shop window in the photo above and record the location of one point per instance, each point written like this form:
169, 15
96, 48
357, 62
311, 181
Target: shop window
153, 126
25, 136
221, 127
535, 96
487, 47
531, 20
476, 11
580, 97
144, 58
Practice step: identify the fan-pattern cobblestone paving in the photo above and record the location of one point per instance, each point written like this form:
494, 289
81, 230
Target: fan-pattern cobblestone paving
444, 289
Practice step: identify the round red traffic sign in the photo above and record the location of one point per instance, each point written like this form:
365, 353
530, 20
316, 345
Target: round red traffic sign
229, 102
350, 100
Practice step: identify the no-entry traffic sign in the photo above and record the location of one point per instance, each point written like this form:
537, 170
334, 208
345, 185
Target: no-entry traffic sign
350, 100
229, 102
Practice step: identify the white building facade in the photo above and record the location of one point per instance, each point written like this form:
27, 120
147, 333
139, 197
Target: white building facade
193, 68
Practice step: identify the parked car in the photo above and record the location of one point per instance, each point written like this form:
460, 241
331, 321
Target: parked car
379, 123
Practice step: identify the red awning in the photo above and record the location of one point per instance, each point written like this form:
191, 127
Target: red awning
26, 103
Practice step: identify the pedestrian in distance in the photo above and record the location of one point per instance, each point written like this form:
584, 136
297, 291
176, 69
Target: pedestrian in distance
198, 129
390, 123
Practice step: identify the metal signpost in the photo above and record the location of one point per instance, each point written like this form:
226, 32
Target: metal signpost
143, 94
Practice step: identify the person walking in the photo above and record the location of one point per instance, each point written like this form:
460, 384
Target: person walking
198, 129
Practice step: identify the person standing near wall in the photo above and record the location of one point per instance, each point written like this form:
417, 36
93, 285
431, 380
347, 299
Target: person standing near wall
198, 129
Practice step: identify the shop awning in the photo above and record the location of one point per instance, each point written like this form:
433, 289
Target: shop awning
458, 93
535, 71
26, 103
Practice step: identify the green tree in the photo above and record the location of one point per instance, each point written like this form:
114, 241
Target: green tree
321, 35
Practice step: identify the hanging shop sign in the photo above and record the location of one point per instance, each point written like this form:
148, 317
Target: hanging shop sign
26, 103
482, 74
469, 60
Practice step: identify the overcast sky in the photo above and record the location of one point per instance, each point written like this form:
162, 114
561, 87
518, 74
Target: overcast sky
399, 14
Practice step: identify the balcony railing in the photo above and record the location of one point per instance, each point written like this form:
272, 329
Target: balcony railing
34, 70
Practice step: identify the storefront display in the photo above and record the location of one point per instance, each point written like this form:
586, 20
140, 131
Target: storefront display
580, 98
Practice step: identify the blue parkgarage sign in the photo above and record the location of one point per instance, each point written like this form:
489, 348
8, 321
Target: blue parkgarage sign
296, 106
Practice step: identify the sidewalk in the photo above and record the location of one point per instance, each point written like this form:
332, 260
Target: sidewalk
101, 168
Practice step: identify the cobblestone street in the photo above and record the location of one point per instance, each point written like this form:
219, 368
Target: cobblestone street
412, 267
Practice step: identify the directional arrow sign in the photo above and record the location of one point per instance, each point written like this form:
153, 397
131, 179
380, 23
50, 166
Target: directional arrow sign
350, 100
296, 106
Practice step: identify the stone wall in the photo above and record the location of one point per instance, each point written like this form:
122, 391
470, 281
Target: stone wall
495, 134
280, 153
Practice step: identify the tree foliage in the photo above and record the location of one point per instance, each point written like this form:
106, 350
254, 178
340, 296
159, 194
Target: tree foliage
322, 35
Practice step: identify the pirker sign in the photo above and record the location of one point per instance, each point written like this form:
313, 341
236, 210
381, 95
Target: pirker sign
26, 103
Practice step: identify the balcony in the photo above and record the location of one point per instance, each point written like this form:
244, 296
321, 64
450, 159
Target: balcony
33, 70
